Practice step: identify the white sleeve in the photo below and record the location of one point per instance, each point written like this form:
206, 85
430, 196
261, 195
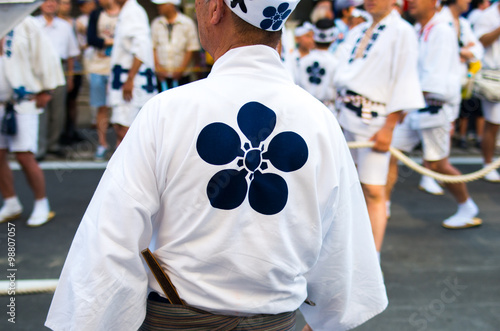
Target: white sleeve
406, 91
103, 285
140, 34
346, 282
484, 24
73, 48
440, 60
469, 37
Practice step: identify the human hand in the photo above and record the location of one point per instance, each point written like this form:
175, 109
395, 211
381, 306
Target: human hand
42, 99
127, 88
382, 139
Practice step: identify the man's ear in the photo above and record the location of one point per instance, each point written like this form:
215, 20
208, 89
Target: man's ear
217, 8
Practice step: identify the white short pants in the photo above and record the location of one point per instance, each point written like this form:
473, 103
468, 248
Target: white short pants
373, 167
435, 141
124, 114
491, 111
26, 139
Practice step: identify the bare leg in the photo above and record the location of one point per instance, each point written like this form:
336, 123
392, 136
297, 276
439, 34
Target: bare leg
376, 204
121, 131
102, 122
489, 141
458, 190
33, 173
6, 177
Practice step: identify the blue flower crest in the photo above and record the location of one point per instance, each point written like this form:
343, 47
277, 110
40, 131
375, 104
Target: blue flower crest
275, 16
220, 144
315, 73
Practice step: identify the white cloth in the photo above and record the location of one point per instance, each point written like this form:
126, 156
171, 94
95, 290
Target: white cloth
439, 63
132, 39
172, 47
61, 35
30, 63
100, 61
465, 37
474, 15
387, 73
238, 257
489, 21
315, 74
26, 138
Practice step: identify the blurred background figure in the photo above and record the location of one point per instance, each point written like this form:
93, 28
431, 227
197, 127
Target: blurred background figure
63, 39
175, 41
322, 9
100, 34
304, 43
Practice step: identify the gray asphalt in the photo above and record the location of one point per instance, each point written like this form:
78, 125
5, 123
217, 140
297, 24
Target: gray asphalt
436, 279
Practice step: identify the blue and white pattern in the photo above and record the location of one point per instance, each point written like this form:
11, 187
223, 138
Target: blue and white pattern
373, 38
315, 73
220, 144
266, 15
8, 43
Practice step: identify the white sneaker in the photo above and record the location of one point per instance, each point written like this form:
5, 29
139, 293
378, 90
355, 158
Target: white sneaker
10, 211
492, 176
40, 219
430, 185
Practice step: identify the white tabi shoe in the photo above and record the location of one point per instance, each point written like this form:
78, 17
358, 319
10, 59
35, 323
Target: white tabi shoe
430, 185
492, 177
10, 211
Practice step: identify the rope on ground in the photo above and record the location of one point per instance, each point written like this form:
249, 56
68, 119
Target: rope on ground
424, 171
28, 286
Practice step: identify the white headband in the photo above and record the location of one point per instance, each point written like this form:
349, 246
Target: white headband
325, 35
303, 29
267, 15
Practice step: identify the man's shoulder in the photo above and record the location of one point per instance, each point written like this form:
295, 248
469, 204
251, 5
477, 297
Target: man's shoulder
158, 21
184, 19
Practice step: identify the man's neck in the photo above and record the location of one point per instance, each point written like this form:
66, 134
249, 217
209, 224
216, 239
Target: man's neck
377, 18
426, 18
455, 11
48, 17
171, 16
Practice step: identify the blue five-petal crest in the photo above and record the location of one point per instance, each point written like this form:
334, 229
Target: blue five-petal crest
274, 17
220, 144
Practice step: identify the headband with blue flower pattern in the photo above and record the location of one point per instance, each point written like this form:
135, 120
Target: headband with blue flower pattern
267, 15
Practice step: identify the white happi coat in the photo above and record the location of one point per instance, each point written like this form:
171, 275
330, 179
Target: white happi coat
315, 74
248, 197
132, 39
387, 72
486, 23
439, 63
31, 65
465, 37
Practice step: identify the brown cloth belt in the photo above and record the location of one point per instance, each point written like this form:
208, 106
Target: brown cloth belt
162, 316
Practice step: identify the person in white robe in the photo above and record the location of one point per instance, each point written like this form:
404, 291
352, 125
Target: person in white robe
471, 51
377, 78
304, 44
29, 70
440, 80
316, 70
133, 80
248, 197
487, 29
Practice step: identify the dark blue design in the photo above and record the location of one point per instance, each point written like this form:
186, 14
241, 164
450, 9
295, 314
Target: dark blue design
8, 43
243, 7
117, 72
315, 73
275, 16
20, 93
220, 144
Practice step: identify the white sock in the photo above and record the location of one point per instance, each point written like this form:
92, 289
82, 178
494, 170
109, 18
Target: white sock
12, 203
468, 208
41, 207
378, 255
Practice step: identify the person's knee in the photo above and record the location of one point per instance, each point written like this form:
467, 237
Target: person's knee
438, 166
24, 158
374, 193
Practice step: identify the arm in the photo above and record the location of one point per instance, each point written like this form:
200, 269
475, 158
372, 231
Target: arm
92, 37
383, 137
179, 72
489, 38
128, 86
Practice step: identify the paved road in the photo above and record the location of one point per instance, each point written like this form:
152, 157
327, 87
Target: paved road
436, 279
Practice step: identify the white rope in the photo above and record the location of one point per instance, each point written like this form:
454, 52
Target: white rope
424, 171
28, 286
